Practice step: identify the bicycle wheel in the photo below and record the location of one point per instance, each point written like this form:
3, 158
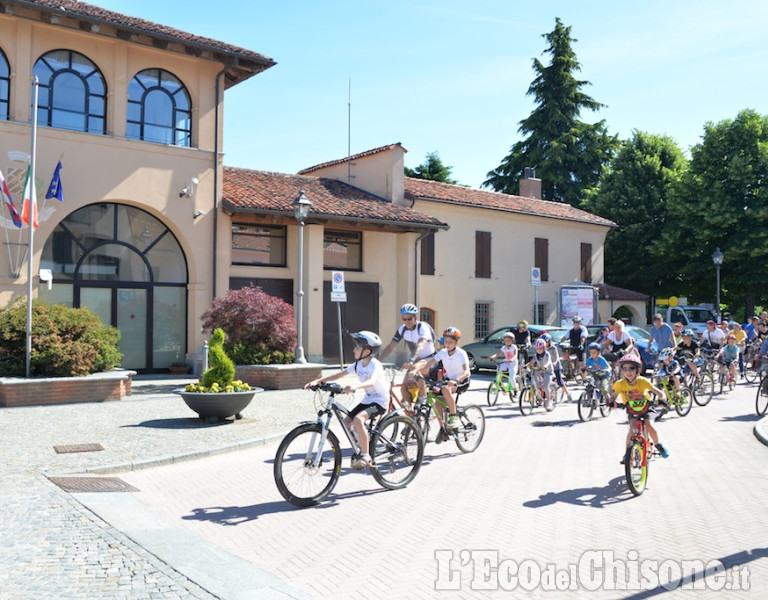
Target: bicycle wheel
750, 368
494, 389
397, 449
527, 400
761, 400
605, 410
683, 402
472, 429
585, 407
636, 472
704, 388
304, 472
722, 383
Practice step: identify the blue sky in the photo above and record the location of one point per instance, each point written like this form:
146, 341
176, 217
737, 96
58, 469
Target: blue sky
452, 77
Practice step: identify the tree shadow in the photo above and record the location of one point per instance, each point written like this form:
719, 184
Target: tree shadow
595, 497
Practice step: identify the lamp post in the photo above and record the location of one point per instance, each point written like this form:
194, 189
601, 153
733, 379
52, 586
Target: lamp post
301, 208
717, 258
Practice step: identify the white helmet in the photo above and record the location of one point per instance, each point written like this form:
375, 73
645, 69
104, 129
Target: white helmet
367, 339
409, 309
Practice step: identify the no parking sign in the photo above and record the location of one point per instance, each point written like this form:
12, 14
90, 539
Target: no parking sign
338, 293
535, 276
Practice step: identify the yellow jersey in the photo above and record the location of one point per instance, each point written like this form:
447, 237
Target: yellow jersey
636, 396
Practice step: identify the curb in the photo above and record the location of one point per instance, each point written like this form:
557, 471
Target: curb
761, 431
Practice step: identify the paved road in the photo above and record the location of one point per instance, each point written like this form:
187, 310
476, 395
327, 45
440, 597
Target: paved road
543, 495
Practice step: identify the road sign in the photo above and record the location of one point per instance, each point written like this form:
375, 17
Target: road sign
337, 281
535, 276
338, 296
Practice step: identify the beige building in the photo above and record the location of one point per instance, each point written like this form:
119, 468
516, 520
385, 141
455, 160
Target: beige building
153, 226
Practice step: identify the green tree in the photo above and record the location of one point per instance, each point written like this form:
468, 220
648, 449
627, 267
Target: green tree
567, 153
433, 169
634, 192
723, 203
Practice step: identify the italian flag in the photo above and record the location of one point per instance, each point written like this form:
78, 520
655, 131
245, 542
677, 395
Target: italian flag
30, 197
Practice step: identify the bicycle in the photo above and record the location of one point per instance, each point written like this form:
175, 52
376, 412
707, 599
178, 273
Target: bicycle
702, 387
570, 363
503, 382
725, 377
431, 414
308, 460
752, 361
679, 399
761, 399
592, 398
533, 393
639, 453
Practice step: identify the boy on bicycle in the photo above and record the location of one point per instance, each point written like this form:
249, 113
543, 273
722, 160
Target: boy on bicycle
509, 352
729, 354
542, 361
688, 352
373, 380
599, 367
633, 390
456, 378
668, 366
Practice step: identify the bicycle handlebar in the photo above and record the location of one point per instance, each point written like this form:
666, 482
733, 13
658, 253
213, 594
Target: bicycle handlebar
333, 388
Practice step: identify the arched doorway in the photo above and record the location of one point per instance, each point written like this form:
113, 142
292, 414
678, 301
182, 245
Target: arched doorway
126, 266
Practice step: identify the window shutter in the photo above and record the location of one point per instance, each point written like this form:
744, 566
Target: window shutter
586, 263
482, 254
541, 257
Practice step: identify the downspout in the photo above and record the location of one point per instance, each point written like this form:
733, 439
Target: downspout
216, 174
416, 267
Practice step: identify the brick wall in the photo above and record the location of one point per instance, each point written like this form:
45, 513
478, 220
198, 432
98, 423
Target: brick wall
65, 390
278, 377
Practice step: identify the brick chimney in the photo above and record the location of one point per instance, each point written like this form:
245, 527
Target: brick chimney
530, 187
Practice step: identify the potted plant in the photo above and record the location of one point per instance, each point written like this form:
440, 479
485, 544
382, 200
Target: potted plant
218, 396
179, 368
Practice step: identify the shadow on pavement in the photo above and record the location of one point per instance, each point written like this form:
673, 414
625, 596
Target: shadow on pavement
743, 418
183, 423
594, 497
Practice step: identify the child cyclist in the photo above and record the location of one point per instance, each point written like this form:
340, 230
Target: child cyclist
599, 367
373, 380
542, 361
456, 377
554, 356
509, 352
729, 354
633, 389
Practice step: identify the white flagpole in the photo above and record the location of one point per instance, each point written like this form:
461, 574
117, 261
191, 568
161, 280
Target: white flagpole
31, 223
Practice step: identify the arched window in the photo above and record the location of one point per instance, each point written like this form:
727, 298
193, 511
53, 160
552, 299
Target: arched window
72, 93
159, 109
5, 86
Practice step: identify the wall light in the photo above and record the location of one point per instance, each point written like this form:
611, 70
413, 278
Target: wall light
198, 213
189, 189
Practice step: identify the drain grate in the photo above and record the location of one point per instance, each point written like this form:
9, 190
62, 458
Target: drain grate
545, 424
78, 448
82, 485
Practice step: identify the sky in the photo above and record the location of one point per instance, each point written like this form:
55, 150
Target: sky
452, 77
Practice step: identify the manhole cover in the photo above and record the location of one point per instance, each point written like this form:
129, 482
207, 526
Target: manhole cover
545, 424
81, 485
77, 448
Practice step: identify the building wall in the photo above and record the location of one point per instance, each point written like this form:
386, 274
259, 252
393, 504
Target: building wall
110, 168
453, 290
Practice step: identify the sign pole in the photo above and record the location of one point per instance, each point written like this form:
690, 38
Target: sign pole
341, 343
339, 295
536, 283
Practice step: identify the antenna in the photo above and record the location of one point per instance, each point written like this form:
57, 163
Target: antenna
349, 132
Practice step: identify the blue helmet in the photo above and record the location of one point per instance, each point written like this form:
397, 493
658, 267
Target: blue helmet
409, 309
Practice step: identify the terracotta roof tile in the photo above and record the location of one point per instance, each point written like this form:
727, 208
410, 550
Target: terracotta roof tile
255, 62
611, 292
353, 157
246, 190
456, 194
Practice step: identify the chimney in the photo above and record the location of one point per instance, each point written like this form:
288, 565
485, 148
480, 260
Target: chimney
530, 187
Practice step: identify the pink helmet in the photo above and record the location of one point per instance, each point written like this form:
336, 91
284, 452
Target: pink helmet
540, 343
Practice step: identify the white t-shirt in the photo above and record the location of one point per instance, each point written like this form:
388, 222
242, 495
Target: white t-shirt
412, 337
453, 364
625, 337
379, 392
715, 338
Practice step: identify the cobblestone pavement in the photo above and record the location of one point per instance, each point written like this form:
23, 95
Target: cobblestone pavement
545, 487
541, 490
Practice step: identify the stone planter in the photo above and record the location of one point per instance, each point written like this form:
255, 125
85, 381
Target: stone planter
99, 387
213, 407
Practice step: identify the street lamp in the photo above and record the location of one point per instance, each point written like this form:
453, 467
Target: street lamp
301, 208
717, 258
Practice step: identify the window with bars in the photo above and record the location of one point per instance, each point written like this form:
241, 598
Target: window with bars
482, 319
541, 312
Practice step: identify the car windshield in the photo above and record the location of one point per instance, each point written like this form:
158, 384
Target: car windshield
699, 315
638, 333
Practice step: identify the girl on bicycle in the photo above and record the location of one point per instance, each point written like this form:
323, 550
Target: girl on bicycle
729, 354
373, 380
554, 355
509, 352
542, 361
633, 389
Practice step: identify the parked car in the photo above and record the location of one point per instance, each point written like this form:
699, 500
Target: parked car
642, 339
491, 343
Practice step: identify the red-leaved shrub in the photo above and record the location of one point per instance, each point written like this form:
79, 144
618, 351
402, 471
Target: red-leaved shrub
260, 328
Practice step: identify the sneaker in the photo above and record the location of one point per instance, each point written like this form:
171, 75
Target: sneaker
421, 400
357, 463
663, 452
452, 422
623, 460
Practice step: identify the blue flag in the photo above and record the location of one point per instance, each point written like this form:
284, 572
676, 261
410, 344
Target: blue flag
54, 189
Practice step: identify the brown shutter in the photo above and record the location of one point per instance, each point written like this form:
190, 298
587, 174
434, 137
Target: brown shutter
541, 257
482, 254
586, 263
428, 255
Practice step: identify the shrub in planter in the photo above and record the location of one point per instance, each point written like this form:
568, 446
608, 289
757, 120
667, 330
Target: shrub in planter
218, 378
66, 342
260, 329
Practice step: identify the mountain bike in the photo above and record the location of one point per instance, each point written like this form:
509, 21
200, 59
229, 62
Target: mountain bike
725, 378
430, 418
592, 398
570, 363
702, 387
679, 399
761, 399
503, 383
639, 453
752, 361
308, 460
534, 394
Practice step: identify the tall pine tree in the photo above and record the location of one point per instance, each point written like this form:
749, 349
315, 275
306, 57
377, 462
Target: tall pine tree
567, 153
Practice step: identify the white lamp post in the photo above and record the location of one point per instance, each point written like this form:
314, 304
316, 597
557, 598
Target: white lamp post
301, 208
717, 258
